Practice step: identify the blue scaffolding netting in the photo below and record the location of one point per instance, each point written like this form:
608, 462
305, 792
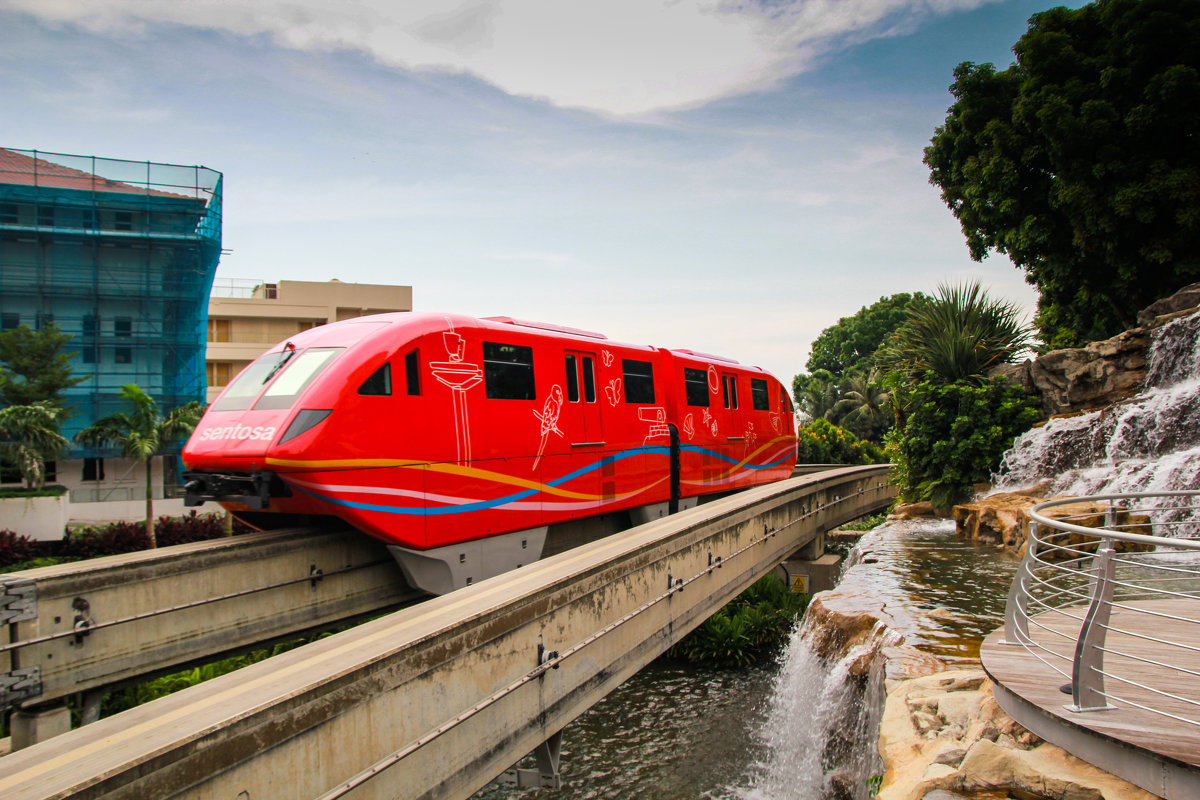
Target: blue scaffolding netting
121, 256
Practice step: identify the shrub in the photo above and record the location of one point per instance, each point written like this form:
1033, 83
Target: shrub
746, 630
954, 437
15, 548
822, 442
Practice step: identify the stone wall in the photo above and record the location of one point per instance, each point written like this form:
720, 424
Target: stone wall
1102, 373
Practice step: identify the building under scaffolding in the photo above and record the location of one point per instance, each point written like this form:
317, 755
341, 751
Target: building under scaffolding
121, 255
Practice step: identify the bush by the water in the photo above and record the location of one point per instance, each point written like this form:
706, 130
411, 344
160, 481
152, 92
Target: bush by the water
749, 629
955, 436
822, 442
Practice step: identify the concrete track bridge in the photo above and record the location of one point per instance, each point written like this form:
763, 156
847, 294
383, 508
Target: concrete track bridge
440, 698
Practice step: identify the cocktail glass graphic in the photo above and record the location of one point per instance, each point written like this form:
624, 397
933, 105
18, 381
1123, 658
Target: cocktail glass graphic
459, 376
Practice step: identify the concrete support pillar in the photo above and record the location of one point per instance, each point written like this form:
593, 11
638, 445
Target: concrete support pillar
813, 549
39, 724
816, 575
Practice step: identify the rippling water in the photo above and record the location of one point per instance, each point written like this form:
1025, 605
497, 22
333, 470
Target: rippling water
674, 732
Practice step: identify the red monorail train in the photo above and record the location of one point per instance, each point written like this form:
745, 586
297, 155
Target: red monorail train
458, 441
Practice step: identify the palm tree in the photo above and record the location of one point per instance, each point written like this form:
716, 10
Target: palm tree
864, 407
29, 438
141, 434
816, 394
960, 334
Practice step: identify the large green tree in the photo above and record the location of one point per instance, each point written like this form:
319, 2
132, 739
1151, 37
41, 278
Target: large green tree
849, 345
1081, 160
141, 434
34, 367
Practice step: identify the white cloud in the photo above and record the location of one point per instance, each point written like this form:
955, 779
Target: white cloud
618, 56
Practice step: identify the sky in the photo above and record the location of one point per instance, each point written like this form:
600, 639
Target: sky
725, 176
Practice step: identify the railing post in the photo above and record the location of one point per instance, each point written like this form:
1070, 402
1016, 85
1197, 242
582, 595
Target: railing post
1016, 610
1087, 680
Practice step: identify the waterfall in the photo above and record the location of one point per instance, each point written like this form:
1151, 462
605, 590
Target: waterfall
1149, 443
821, 729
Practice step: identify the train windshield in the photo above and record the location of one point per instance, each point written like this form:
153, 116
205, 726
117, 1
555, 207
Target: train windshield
291, 375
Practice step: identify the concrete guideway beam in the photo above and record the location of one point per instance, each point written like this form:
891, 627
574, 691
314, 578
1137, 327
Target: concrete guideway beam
438, 699
98, 623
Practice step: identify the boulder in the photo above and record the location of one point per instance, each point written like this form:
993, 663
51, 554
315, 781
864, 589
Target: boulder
944, 736
1003, 520
1186, 298
1100, 374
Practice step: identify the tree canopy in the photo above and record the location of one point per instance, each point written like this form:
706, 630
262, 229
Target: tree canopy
850, 344
1080, 161
34, 368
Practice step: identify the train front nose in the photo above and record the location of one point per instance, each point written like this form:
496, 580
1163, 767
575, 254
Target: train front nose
226, 457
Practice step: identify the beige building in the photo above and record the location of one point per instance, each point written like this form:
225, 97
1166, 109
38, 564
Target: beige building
245, 318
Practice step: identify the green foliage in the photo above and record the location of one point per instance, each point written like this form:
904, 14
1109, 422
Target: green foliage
34, 367
956, 336
955, 436
865, 523
746, 630
47, 490
29, 437
822, 442
141, 434
849, 345
1080, 161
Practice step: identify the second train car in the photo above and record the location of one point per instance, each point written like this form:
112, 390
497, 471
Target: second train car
460, 441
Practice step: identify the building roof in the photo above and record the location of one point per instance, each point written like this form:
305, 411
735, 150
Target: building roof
19, 169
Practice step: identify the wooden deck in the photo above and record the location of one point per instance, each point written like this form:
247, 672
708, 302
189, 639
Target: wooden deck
1125, 740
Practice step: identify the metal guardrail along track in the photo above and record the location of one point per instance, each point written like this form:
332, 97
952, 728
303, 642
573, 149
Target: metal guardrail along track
77, 627
439, 698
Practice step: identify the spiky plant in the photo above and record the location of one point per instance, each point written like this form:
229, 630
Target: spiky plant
141, 434
959, 335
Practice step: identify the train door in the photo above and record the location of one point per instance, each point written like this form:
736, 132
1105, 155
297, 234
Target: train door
735, 430
582, 404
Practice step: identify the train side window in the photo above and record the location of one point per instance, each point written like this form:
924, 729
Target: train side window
589, 380
380, 382
695, 386
760, 397
785, 402
639, 381
412, 371
508, 371
733, 390
572, 380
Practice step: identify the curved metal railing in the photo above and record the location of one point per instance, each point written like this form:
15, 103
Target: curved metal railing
1108, 596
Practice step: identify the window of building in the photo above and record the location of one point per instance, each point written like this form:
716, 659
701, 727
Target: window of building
45, 216
219, 330
10, 321
380, 382
90, 325
9, 473
639, 381
759, 395
695, 386
508, 371
219, 372
49, 471
93, 469
123, 221
9, 214
44, 320
123, 328
412, 371
271, 291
